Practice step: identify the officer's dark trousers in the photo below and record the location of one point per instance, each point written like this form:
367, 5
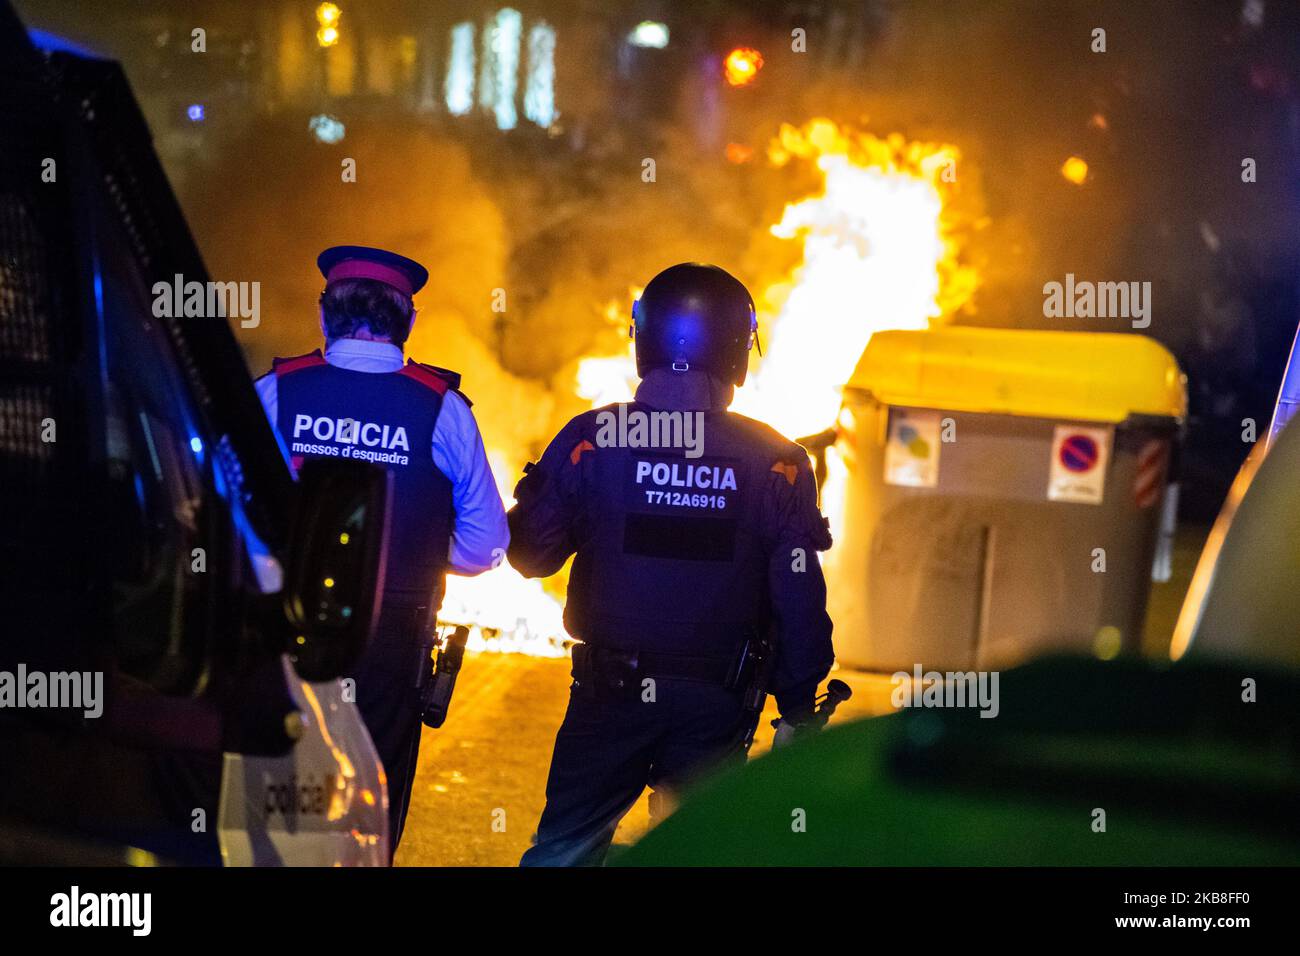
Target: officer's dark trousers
611, 746
390, 707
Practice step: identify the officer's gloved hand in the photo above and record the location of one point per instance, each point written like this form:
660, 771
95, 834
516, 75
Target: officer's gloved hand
797, 704
797, 710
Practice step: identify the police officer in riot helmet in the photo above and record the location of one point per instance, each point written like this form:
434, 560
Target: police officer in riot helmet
695, 587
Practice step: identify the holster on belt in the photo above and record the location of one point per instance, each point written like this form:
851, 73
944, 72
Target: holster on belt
440, 662
754, 675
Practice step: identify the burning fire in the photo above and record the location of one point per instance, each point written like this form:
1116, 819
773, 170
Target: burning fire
742, 66
504, 611
879, 251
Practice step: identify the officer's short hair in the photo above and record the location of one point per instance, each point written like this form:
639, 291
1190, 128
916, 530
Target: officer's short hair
351, 304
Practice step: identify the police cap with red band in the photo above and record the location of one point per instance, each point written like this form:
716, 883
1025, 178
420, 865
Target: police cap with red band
362, 262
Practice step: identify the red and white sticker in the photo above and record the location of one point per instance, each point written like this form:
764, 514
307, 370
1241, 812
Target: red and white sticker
1079, 459
1152, 464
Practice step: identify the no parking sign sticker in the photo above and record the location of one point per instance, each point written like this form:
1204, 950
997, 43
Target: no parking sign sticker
1079, 459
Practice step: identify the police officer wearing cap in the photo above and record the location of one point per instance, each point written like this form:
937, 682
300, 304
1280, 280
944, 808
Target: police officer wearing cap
696, 586
361, 398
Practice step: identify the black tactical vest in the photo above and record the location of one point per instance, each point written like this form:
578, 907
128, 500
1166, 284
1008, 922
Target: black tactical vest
672, 555
386, 418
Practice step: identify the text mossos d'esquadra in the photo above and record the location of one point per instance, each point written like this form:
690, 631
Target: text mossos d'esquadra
75, 908
345, 436
55, 690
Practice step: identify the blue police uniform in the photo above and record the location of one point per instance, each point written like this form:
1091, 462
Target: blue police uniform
361, 400
680, 562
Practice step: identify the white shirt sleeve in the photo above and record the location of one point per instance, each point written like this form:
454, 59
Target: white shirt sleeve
480, 535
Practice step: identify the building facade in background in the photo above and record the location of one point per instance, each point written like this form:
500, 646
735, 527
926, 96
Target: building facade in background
562, 71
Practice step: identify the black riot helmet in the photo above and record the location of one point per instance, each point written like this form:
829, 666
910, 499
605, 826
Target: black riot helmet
695, 316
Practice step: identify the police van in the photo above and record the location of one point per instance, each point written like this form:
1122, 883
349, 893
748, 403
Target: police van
177, 609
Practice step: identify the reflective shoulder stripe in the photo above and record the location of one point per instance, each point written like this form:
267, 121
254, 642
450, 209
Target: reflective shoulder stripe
791, 472
579, 450
283, 366
419, 373
447, 375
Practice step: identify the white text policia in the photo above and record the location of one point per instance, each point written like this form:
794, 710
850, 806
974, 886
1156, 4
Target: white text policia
349, 431
676, 475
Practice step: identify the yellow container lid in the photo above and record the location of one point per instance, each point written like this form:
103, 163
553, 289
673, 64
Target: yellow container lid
1092, 376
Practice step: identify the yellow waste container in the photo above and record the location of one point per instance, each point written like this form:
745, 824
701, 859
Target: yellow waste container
996, 494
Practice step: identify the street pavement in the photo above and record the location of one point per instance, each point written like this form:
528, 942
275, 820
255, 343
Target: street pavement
481, 780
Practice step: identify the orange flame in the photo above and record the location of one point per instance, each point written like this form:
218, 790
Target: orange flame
742, 66
879, 251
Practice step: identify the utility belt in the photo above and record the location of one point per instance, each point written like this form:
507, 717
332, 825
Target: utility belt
611, 669
616, 669
748, 671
